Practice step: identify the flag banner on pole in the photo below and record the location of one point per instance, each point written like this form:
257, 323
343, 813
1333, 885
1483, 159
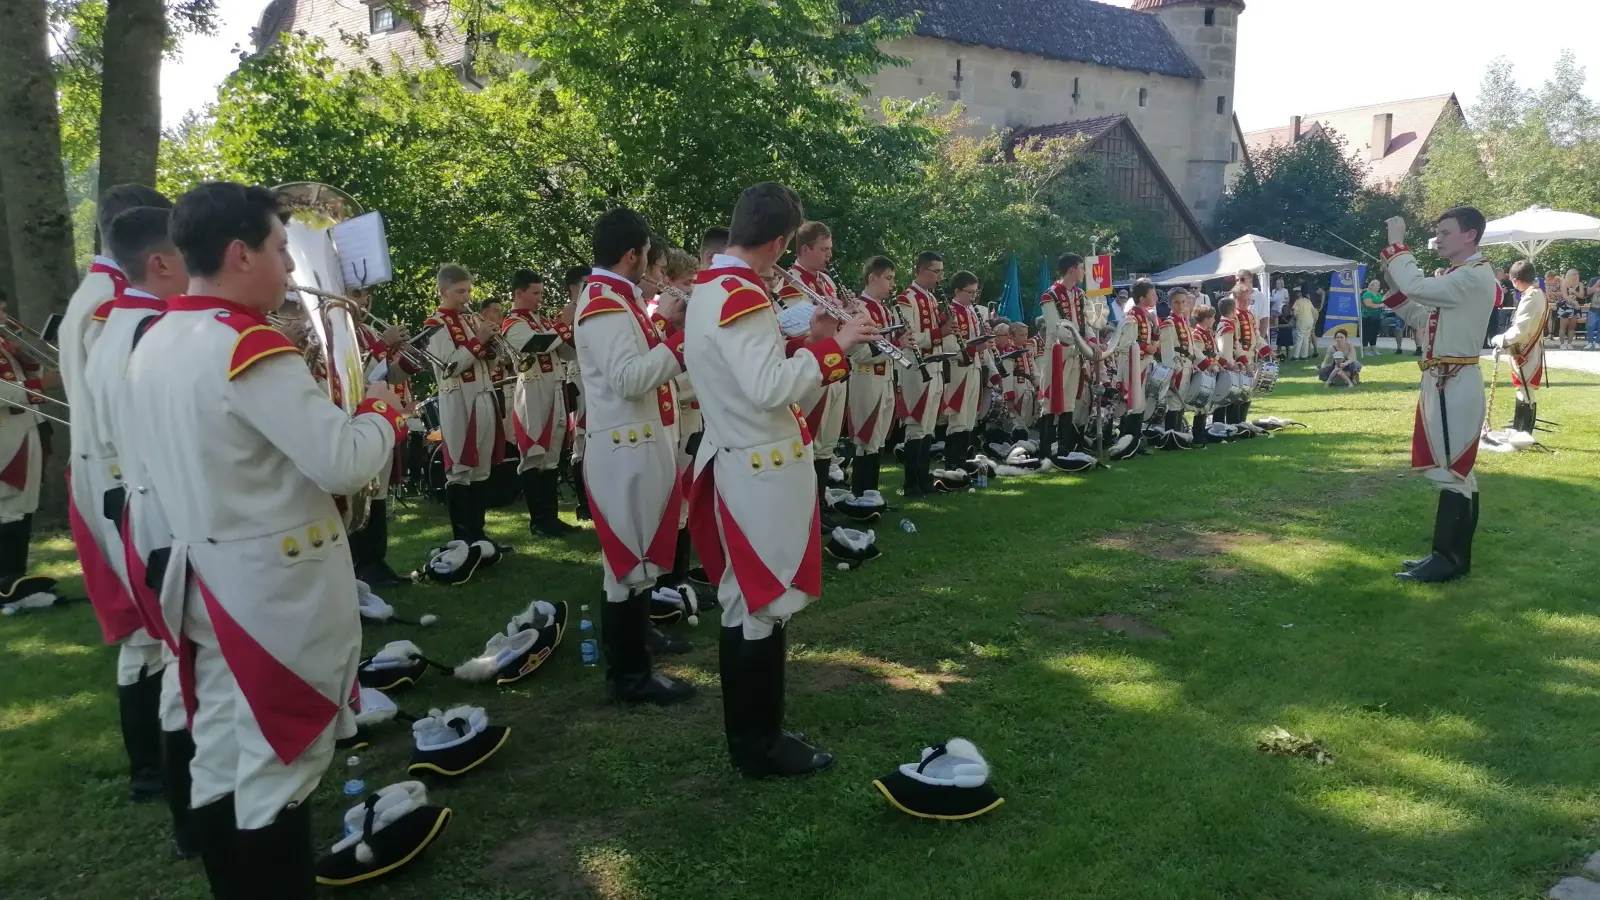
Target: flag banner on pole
1010, 305
1099, 276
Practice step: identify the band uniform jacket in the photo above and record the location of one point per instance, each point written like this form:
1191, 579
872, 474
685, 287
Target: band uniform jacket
871, 389
922, 388
1068, 342
397, 359
1451, 314
1524, 337
824, 407
753, 509
967, 379
539, 403
1132, 352
1176, 351
686, 420
468, 419
245, 453
21, 457
630, 462
100, 469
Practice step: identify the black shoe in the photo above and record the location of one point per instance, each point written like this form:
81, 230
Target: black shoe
177, 751
761, 748
630, 675
214, 829
277, 861
139, 709
1452, 542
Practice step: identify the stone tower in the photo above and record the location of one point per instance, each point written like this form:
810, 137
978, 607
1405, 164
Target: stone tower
1209, 31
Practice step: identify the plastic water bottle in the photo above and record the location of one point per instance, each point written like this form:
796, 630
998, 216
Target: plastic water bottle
353, 785
588, 647
980, 481
907, 527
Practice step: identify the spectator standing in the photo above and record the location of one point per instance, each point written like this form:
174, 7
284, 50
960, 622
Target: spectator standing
1305, 323
1591, 328
1577, 303
1280, 298
1371, 313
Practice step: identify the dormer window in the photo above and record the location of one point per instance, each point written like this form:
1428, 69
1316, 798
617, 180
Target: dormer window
1144, 97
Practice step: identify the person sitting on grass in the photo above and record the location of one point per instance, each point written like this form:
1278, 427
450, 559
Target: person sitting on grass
1340, 365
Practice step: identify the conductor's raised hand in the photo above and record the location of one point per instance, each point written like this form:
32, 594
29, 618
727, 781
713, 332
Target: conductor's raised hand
1397, 229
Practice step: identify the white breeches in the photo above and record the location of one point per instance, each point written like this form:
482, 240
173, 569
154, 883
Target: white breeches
139, 655
173, 716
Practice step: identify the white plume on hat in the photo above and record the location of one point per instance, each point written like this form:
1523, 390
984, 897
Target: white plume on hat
499, 650
393, 802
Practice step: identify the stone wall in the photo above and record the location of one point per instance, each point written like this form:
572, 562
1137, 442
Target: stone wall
344, 25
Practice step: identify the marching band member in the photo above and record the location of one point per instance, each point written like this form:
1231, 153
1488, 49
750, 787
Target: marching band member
139, 658
1450, 313
824, 409
631, 465
1230, 355
467, 414
752, 463
1134, 349
714, 241
539, 404
140, 241
243, 450
921, 388
576, 280
1252, 340
870, 396
967, 374
1525, 338
1206, 359
1069, 343
1177, 351
679, 269
369, 547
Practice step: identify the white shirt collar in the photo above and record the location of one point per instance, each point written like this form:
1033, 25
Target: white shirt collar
135, 292
602, 270
729, 261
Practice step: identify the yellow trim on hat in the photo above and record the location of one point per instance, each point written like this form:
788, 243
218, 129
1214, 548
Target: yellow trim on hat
445, 815
911, 812
414, 768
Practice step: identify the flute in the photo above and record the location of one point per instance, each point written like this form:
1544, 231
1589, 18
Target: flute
883, 346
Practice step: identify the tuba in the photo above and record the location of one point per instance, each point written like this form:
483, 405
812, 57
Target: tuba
330, 316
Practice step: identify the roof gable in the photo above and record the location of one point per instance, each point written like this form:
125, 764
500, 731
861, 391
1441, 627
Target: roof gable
1414, 123
1071, 30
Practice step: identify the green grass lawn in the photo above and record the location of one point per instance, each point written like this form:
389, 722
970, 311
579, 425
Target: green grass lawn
1463, 717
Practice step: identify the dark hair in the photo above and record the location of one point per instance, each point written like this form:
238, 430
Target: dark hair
117, 200
1142, 287
1521, 270
925, 259
810, 233
1294, 293
658, 250
1066, 262
1226, 305
1469, 218
877, 265
715, 240
209, 218
523, 278
962, 279
764, 213
576, 275
136, 234
1203, 312
616, 233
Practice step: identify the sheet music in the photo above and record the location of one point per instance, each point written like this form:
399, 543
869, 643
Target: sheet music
363, 251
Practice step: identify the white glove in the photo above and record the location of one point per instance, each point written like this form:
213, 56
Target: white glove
1397, 229
1498, 342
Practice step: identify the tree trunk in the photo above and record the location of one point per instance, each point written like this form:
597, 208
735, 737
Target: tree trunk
130, 91
39, 227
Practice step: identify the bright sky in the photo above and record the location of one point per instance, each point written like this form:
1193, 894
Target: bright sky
1288, 52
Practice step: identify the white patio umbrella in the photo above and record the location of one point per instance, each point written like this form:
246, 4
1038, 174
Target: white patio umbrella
1536, 228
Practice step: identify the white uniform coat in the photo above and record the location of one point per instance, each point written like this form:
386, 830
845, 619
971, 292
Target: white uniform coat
468, 419
1132, 352
825, 405
922, 388
870, 395
539, 404
1451, 314
630, 463
245, 452
967, 374
754, 510
1524, 337
1068, 343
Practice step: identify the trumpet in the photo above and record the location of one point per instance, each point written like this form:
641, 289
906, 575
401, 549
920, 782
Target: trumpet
31, 342
883, 346
412, 345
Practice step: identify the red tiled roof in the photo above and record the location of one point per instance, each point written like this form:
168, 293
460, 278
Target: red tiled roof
1414, 122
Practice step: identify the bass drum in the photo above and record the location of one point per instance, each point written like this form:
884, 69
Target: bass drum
504, 484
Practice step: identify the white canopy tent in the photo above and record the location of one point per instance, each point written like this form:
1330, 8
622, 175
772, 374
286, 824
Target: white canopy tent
1255, 254
1536, 228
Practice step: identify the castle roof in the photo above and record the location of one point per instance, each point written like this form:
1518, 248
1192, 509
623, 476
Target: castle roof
1071, 30
1147, 5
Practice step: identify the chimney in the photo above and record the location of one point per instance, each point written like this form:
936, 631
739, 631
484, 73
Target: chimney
1294, 130
1382, 132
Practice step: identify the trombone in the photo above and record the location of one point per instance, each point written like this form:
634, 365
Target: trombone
32, 342
34, 409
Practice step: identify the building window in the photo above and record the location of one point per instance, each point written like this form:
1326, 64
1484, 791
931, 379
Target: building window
1075, 94
1018, 79
1211, 16
1235, 156
381, 18
1222, 105
1144, 97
